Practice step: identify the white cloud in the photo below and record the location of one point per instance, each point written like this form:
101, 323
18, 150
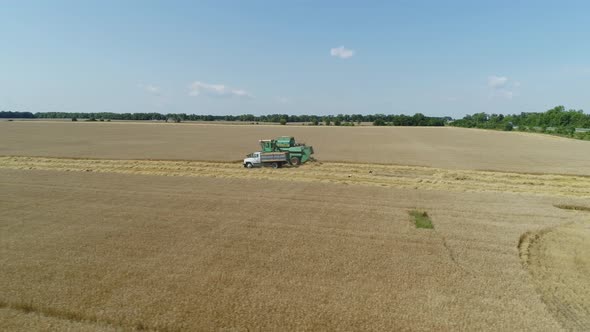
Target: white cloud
502, 86
282, 100
497, 82
197, 88
152, 89
504, 94
240, 93
341, 52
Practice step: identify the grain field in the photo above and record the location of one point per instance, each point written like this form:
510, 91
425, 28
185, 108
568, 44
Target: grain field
181, 253
443, 147
119, 226
559, 261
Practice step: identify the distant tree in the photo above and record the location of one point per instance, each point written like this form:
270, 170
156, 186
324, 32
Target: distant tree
419, 120
555, 121
337, 122
10, 114
327, 121
283, 121
74, 119
379, 122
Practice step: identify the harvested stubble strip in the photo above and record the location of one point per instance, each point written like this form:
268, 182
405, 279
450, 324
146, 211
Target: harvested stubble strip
410, 177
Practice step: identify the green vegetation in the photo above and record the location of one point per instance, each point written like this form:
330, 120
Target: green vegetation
556, 121
340, 119
17, 115
417, 119
379, 122
421, 219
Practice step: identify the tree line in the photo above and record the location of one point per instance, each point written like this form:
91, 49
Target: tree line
557, 121
16, 115
337, 120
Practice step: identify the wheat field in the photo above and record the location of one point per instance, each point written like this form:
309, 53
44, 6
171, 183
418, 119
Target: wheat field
100, 237
440, 147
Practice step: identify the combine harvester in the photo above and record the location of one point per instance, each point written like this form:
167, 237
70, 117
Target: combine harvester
278, 152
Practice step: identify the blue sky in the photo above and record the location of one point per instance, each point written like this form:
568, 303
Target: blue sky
297, 57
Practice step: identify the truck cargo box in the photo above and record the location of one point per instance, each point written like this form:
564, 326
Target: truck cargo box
268, 157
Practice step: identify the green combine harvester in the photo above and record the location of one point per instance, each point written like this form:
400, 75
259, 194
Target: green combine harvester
278, 152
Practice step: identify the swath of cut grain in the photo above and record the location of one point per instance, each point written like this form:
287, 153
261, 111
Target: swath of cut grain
409, 177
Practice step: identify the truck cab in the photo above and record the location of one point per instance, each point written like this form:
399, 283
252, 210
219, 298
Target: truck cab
252, 160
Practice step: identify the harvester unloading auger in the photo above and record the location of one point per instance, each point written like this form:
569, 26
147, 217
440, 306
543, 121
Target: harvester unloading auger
278, 152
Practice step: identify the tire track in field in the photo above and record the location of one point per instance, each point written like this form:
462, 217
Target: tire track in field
61, 316
87, 321
557, 260
409, 177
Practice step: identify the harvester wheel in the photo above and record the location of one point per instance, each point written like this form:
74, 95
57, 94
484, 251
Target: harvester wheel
249, 165
295, 161
275, 165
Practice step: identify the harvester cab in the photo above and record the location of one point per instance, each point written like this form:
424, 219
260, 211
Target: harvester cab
267, 145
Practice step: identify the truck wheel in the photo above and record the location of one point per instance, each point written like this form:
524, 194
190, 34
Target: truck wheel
274, 165
295, 161
249, 165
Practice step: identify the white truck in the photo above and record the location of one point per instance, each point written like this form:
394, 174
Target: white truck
271, 159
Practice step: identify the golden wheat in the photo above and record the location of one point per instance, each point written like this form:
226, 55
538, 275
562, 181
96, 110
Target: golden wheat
443, 147
193, 253
104, 239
